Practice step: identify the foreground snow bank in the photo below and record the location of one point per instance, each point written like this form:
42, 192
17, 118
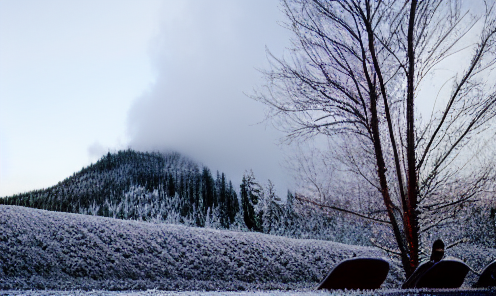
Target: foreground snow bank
60, 251
52, 250
381, 292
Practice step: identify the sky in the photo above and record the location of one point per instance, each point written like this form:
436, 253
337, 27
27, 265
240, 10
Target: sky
81, 78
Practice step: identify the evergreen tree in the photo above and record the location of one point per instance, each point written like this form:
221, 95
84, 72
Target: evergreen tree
207, 189
171, 190
271, 211
223, 202
289, 217
250, 194
233, 203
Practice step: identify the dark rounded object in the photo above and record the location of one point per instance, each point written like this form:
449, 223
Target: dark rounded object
487, 277
445, 274
357, 273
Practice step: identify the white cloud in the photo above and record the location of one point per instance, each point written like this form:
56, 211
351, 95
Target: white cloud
96, 151
206, 56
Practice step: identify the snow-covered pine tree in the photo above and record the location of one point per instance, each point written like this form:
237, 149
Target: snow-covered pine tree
251, 193
232, 203
222, 200
271, 210
207, 189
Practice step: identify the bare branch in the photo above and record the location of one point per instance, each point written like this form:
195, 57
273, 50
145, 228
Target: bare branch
388, 250
298, 197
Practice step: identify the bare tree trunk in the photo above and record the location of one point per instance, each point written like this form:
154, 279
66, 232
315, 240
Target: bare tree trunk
405, 250
411, 230
381, 171
329, 88
493, 218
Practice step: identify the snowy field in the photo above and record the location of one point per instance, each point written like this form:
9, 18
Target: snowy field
87, 255
160, 293
60, 251
382, 292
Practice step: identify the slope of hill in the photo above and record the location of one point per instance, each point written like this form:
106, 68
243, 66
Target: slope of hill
170, 188
51, 250
139, 185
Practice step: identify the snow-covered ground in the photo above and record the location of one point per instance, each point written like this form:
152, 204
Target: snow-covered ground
381, 292
59, 251
52, 250
160, 293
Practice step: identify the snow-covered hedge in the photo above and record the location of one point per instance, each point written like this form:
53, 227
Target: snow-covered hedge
42, 249
53, 250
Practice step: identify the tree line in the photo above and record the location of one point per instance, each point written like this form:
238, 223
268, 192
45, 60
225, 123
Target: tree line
123, 184
170, 188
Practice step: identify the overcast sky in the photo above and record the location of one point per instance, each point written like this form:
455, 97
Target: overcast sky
80, 78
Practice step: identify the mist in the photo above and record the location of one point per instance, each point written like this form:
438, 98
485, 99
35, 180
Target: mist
205, 57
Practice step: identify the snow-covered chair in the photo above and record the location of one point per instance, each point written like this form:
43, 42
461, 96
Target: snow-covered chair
487, 277
445, 274
356, 273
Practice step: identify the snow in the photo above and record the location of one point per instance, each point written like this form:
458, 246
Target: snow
384, 292
51, 252
158, 293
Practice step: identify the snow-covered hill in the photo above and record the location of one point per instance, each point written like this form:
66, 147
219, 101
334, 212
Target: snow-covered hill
60, 251
53, 250
139, 185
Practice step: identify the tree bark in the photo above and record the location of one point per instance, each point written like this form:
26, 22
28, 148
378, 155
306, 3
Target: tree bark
412, 229
381, 171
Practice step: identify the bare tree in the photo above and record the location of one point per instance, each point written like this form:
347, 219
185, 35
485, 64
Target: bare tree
355, 74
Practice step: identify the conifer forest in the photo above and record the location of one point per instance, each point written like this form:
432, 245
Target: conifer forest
171, 188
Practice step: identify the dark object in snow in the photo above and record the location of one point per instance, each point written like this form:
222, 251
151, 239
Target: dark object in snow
356, 273
487, 277
437, 252
445, 274
412, 281
437, 255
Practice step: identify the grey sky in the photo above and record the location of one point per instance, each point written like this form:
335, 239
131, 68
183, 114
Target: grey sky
205, 57
79, 78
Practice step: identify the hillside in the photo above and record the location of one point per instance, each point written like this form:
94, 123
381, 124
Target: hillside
140, 186
52, 250
170, 188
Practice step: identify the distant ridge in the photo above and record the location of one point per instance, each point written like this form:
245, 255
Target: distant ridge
171, 188
140, 186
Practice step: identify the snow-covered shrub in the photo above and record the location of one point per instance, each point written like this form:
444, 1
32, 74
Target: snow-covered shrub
71, 251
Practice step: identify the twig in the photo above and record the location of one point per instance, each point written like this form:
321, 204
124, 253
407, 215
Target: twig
340, 209
463, 240
384, 248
